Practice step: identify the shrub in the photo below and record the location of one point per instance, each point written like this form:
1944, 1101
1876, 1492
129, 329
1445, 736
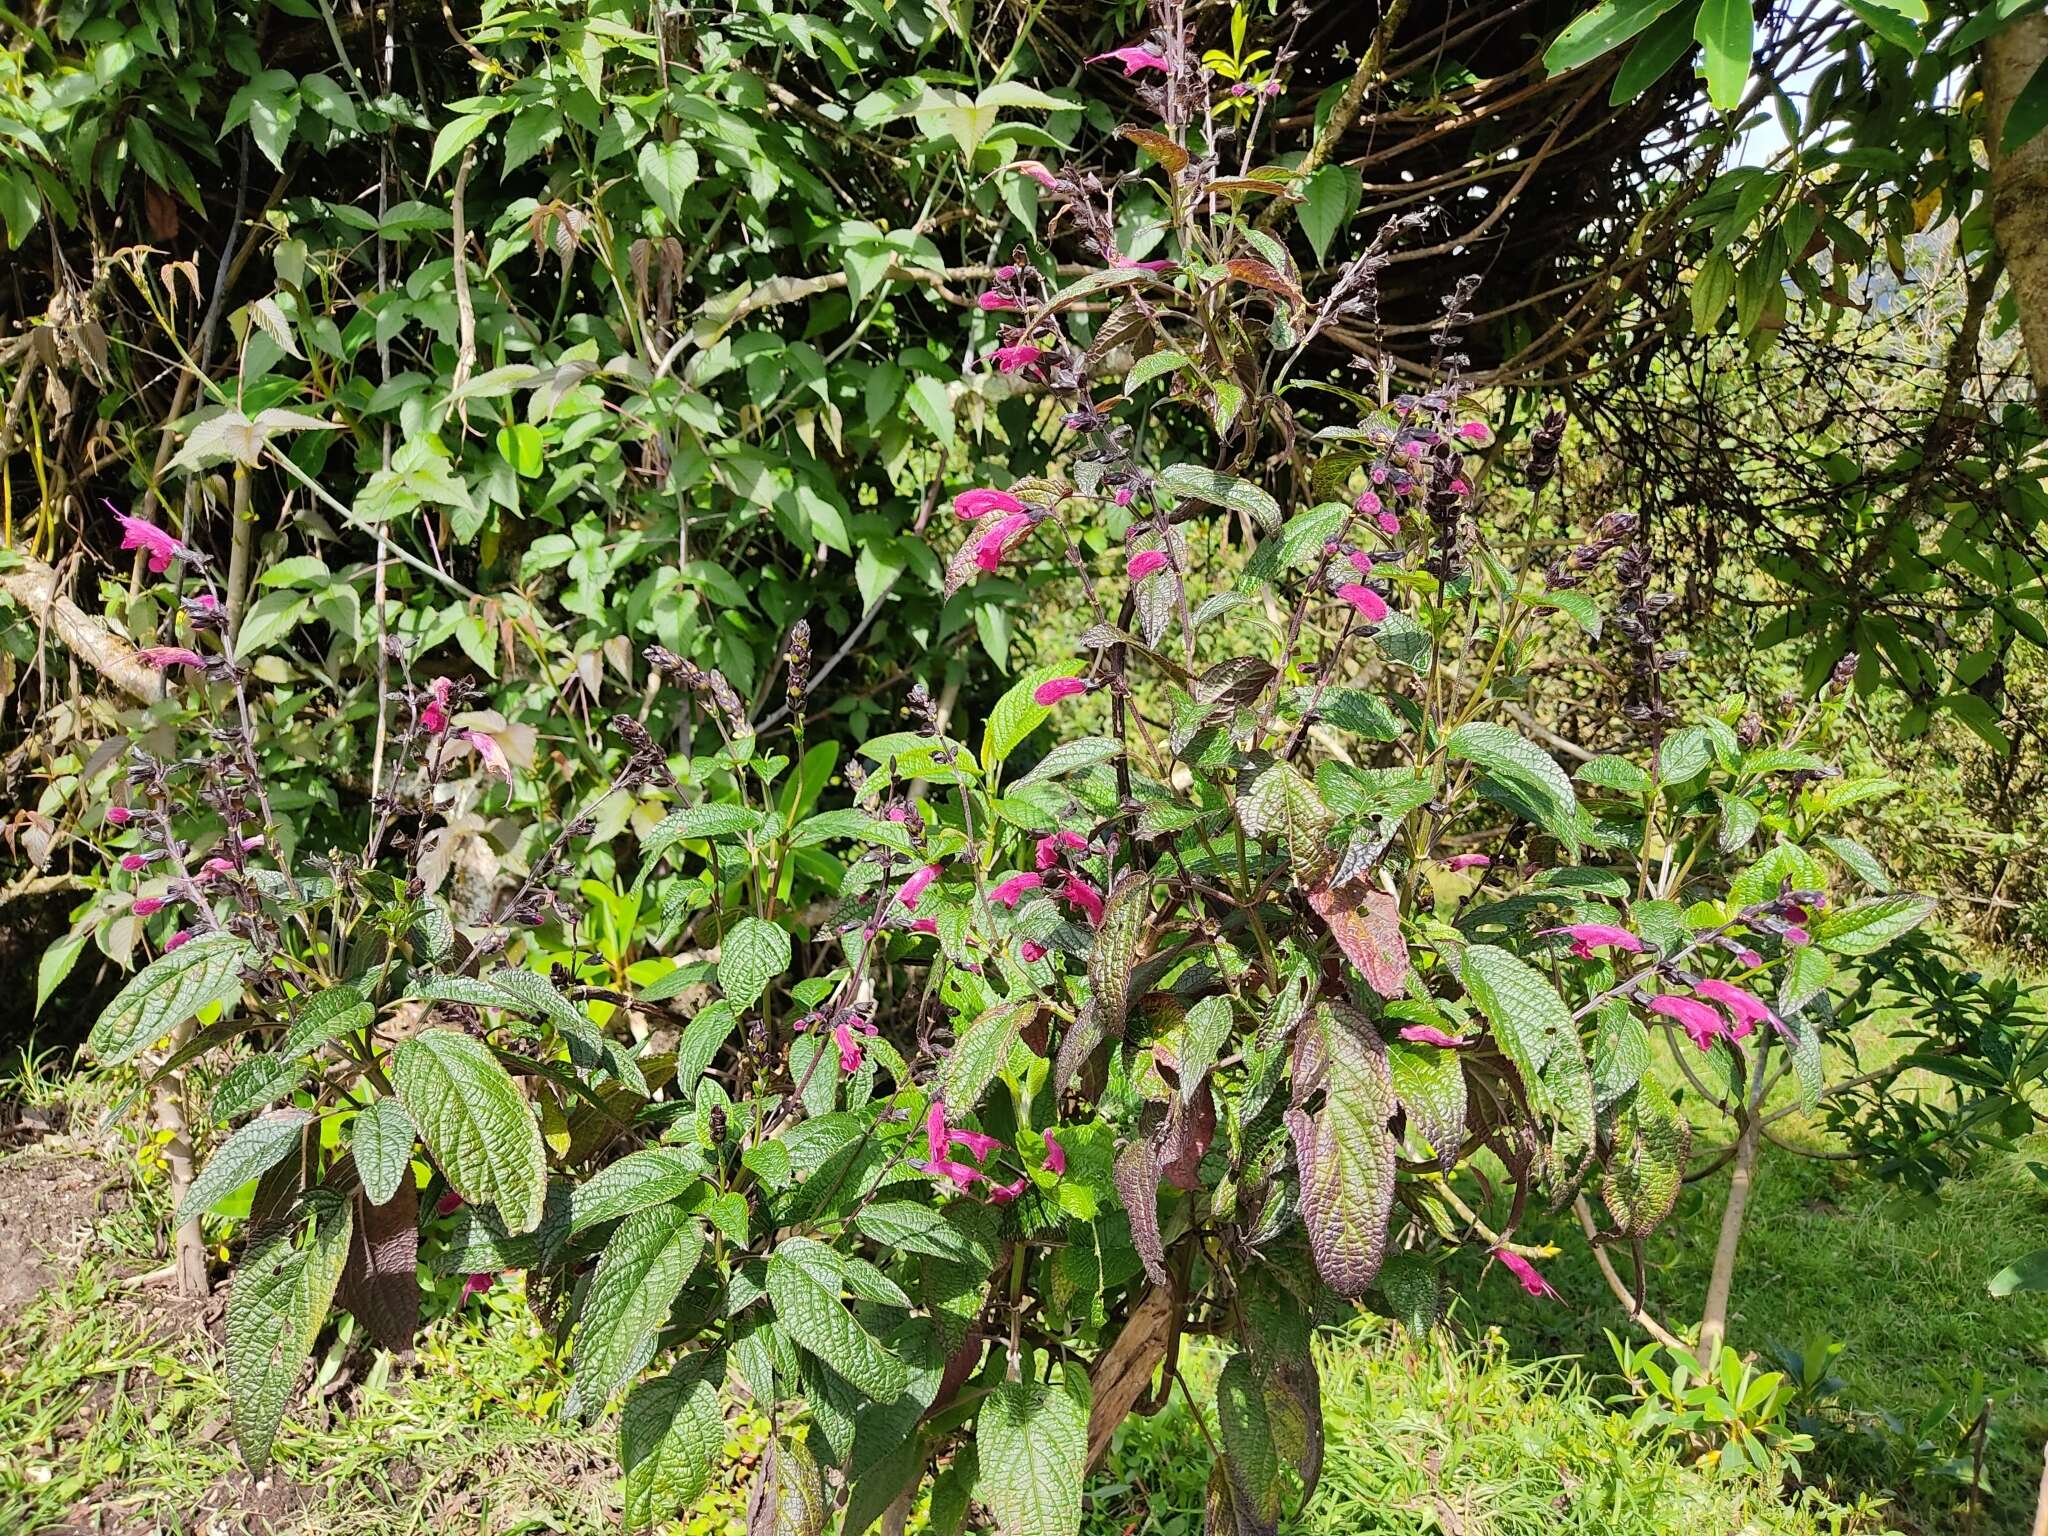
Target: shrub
1192, 1027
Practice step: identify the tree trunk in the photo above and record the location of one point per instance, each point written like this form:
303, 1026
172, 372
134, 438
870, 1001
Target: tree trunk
188, 1243
2019, 182
1714, 1319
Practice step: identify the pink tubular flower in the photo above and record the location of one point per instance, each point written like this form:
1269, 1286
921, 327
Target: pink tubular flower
217, 867
914, 887
990, 299
1021, 358
476, 1285
1587, 937
1036, 170
1032, 951
1798, 938
846, 1035
1426, 1034
1145, 563
134, 861
1744, 1008
1749, 958
1084, 896
1368, 503
971, 505
1128, 265
1370, 605
448, 1204
165, 656
434, 716
1012, 890
148, 906
1053, 844
120, 815
997, 540
1003, 1194
1474, 431
1389, 524
1525, 1272
162, 548
1049, 693
1055, 1156
961, 1174
1701, 1024
178, 940
935, 1132
1360, 562
205, 602
489, 753
978, 1146
1468, 861
925, 925
1135, 59
1124, 495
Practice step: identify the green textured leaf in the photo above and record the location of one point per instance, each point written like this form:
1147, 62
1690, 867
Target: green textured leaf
1249, 1459
1030, 1444
650, 1177
1280, 803
1429, 1082
1115, 955
1783, 863
1524, 777
474, 1122
167, 992
281, 1294
1807, 974
1868, 926
789, 1496
337, 1011
1621, 1052
671, 1435
753, 954
256, 1147
980, 1053
1017, 714
381, 1142
641, 1272
1344, 1150
1193, 482
1647, 1168
1536, 1033
698, 823
955, 1234
253, 1083
814, 1317
1860, 861
1686, 753
1618, 773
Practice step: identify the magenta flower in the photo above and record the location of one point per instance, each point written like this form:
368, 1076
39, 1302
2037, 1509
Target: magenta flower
1749, 958
1426, 1034
1053, 844
1798, 938
1744, 1008
969, 506
925, 925
1128, 265
1036, 170
1379, 474
489, 753
165, 656
120, 815
1370, 605
1084, 896
846, 1035
1587, 937
1360, 562
978, 1146
1055, 1156
1012, 890
1468, 861
1049, 693
1475, 431
914, 887
1135, 59
1003, 1194
448, 1204
205, 602
1525, 1272
434, 717
1032, 951
149, 906
1022, 358
178, 940
134, 861
998, 539
990, 299
162, 549
1124, 494
1145, 563
961, 1174
217, 867
1701, 1024
1369, 503
476, 1285
935, 1130
1389, 524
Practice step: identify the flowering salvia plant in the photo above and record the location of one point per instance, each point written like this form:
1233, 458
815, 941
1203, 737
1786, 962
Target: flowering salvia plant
1186, 1025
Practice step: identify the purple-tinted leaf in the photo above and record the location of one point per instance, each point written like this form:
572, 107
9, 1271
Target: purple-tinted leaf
1344, 1149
